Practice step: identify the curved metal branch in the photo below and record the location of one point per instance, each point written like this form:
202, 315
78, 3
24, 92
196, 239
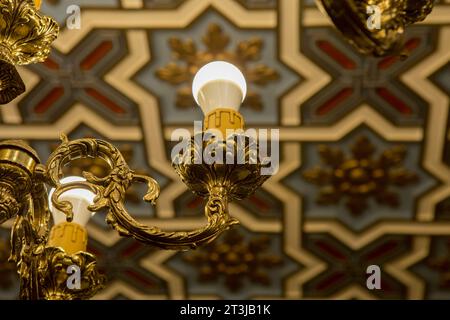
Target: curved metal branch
216, 212
110, 195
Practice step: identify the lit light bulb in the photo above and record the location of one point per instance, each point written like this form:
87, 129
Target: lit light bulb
72, 236
37, 3
219, 88
80, 200
219, 84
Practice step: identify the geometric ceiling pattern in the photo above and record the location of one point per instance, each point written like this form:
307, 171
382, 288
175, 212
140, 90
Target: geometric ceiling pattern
364, 153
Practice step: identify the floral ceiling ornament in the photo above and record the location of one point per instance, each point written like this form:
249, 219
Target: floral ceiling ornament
189, 59
235, 259
361, 176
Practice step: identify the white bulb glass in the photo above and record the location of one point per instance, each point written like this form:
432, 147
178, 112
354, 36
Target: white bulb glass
219, 84
80, 200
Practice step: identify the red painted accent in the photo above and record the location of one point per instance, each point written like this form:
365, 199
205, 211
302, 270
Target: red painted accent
336, 54
140, 278
132, 249
412, 44
387, 62
385, 286
381, 250
96, 55
330, 280
334, 102
51, 64
395, 102
93, 251
195, 203
49, 100
331, 250
259, 203
105, 100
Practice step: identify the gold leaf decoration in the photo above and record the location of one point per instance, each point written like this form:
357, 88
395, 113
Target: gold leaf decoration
235, 259
26, 35
361, 176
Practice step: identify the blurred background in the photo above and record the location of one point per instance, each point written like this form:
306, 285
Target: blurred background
364, 173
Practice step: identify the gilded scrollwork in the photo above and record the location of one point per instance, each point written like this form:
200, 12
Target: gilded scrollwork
29, 237
25, 37
53, 265
239, 173
111, 190
222, 181
13, 187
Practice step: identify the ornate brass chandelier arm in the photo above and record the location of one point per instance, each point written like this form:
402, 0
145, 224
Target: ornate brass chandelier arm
110, 195
40, 214
216, 212
23, 197
29, 237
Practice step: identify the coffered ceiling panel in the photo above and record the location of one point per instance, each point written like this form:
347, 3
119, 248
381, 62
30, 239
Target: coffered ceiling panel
364, 173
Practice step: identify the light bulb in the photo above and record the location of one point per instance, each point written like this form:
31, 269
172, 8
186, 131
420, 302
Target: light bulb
80, 200
219, 85
37, 3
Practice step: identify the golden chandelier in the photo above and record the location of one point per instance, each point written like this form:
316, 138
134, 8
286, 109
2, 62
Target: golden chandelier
44, 251
376, 27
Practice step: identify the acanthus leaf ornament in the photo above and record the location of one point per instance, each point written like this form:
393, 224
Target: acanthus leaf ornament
25, 37
52, 267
